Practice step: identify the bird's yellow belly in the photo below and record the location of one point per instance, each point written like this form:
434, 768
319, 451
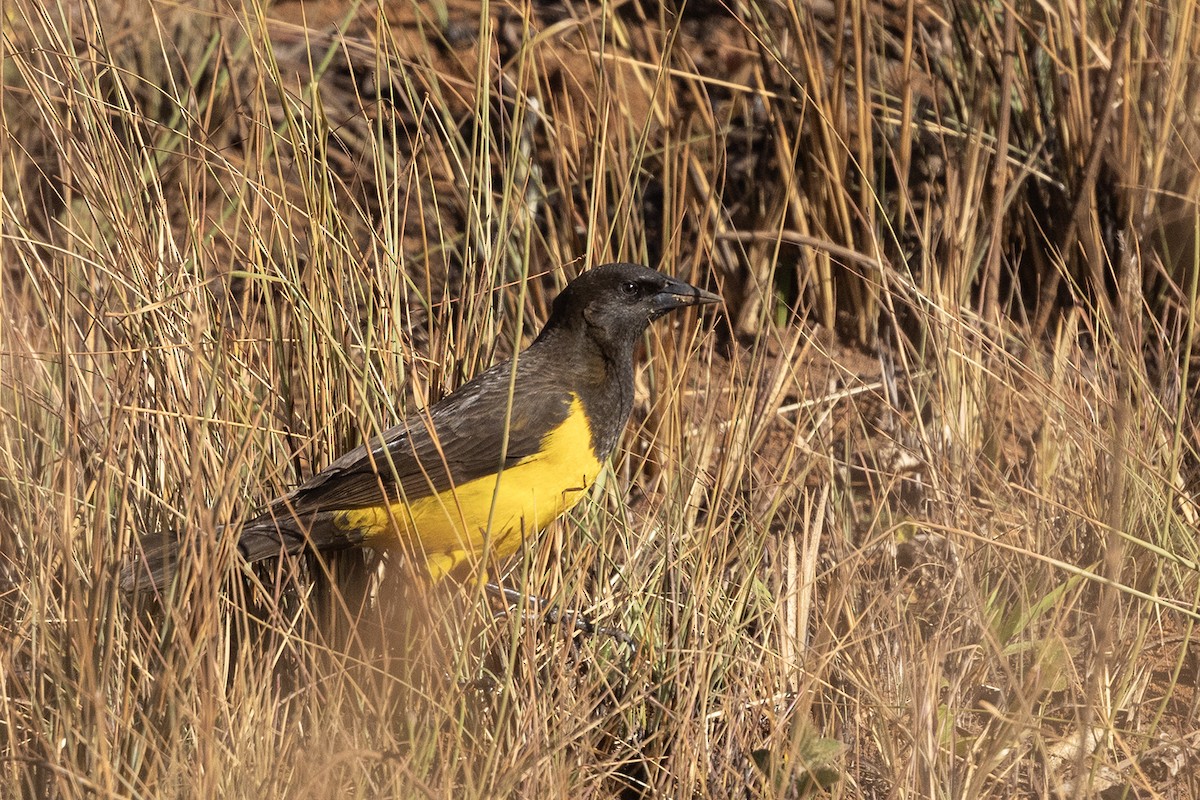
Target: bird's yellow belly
489, 516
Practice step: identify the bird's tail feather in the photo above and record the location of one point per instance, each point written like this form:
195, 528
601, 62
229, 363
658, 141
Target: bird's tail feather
156, 561
158, 557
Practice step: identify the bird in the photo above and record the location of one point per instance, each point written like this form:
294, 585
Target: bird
489, 465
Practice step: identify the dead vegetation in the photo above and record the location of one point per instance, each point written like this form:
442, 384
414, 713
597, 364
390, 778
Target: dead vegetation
914, 518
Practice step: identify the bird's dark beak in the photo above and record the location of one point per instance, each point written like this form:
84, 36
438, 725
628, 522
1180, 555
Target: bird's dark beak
677, 294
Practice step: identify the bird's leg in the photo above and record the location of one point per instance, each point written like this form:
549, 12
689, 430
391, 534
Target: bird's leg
513, 598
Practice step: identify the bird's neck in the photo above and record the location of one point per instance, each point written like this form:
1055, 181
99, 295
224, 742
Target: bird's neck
609, 400
603, 381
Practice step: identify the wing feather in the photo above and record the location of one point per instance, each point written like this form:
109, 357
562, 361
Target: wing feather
455, 441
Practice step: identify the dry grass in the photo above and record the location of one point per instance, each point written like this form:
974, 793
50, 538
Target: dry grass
916, 517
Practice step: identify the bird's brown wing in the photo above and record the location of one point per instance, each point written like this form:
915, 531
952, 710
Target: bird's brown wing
457, 440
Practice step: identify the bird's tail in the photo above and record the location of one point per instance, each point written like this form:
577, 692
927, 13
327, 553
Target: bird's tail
158, 556
154, 564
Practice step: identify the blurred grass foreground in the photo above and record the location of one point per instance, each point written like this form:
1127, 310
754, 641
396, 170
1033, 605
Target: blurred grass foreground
915, 517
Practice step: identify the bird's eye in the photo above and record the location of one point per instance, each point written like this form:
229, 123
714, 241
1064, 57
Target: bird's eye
630, 289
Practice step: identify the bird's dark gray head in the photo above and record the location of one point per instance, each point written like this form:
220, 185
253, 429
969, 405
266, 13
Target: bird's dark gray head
615, 303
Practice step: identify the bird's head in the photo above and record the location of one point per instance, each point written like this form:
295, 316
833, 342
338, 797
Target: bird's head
616, 302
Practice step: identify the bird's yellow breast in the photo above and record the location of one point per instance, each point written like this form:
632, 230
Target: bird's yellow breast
488, 516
